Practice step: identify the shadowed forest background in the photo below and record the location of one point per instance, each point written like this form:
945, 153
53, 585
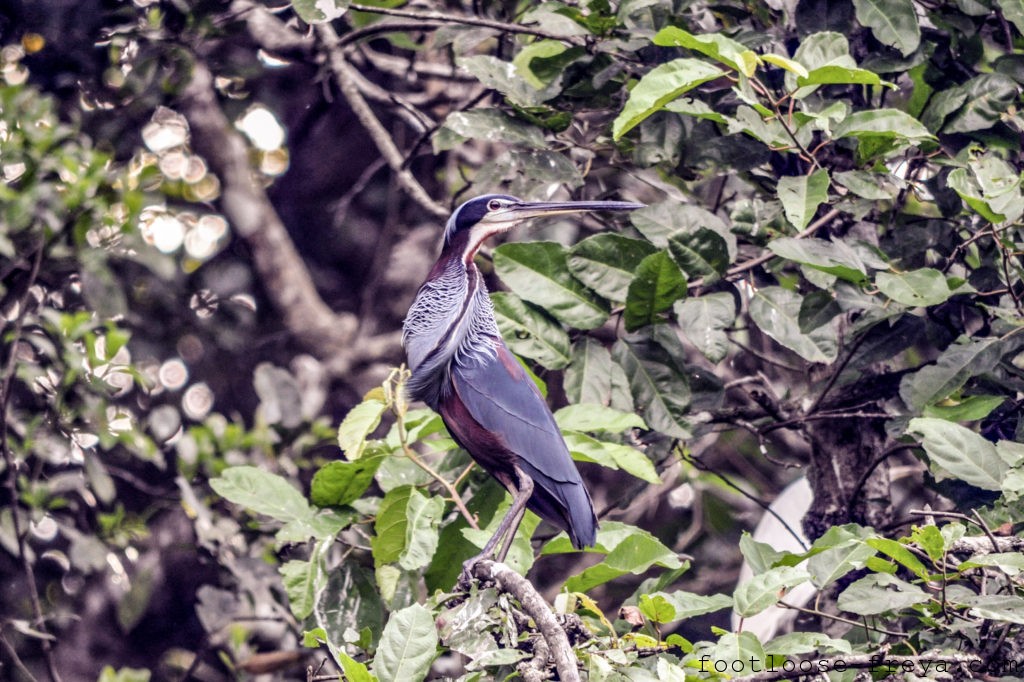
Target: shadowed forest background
214, 216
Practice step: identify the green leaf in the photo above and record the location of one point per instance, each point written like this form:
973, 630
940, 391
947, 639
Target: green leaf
878, 593
657, 285
679, 605
1013, 11
985, 99
359, 423
954, 367
930, 539
835, 257
887, 123
703, 321
703, 253
833, 563
319, 11
1010, 563
759, 556
658, 222
715, 45
819, 307
592, 377
504, 77
776, 311
597, 419
924, 287
999, 607
893, 22
530, 332
538, 273
764, 590
611, 455
659, 391
341, 483
900, 554
408, 645
786, 63
406, 529
871, 186
837, 74
801, 195
321, 525
738, 651
797, 643
959, 453
490, 125
658, 87
301, 582
632, 551
968, 409
262, 492
606, 262
349, 597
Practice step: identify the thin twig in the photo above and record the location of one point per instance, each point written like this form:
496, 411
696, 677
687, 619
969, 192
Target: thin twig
453, 493
467, 20
347, 84
822, 614
15, 659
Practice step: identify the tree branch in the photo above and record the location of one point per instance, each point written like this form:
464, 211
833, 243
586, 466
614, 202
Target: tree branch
467, 20
554, 636
346, 80
326, 334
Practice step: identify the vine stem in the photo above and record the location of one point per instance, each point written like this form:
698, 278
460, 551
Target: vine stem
453, 493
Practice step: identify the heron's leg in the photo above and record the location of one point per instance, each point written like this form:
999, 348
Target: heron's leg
519, 499
521, 489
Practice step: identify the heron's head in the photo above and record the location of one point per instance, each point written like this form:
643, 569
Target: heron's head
476, 220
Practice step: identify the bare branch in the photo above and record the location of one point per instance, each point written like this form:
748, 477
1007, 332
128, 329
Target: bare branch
554, 636
347, 83
468, 21
326, 334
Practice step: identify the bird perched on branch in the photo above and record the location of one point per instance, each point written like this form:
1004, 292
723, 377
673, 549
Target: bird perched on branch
462, 369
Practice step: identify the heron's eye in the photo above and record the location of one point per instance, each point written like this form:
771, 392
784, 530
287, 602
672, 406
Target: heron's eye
493, 205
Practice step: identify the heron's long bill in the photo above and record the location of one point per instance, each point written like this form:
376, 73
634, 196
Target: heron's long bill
538, 209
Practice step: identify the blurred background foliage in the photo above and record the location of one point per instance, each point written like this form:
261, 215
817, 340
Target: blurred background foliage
213, 216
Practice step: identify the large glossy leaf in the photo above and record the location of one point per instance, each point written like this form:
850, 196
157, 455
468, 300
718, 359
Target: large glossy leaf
893, 22
985, 99
764, 590
833, 563
406, 528
703, 321
715, 45
530, 332
538, 272
702, 253
659, 86
878, 593
302, 580
359, 423
593, 377
262, 492
350, 596
924, 287
954, 367
776, 311
959, 453
504, 77
1005, 608
1013, 10
407, 646
612, 455
657, 285
606, 262
678, 605
490, 125
341, 483
658, 222
660, 393
597, 419
629, 550
882, 123
839, 74
801, 195
835, 257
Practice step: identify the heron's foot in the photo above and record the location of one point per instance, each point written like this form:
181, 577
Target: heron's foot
466, 576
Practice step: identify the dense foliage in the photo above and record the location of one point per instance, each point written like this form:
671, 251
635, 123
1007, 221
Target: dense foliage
212, 218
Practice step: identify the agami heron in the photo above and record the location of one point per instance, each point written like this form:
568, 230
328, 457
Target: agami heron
462, 369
